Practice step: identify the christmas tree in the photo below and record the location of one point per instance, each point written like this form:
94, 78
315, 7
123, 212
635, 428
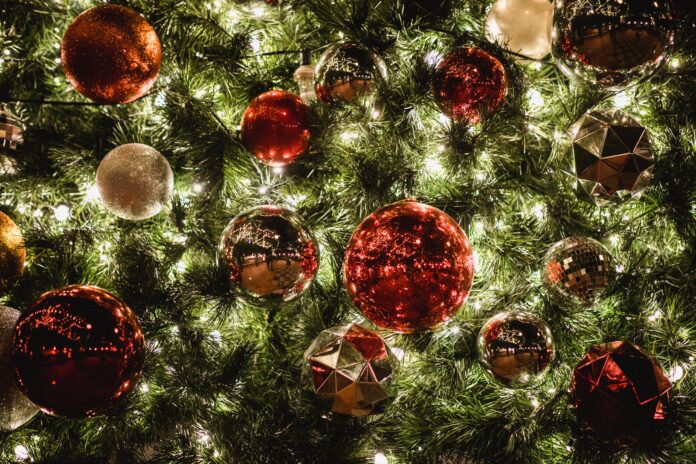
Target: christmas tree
183, 189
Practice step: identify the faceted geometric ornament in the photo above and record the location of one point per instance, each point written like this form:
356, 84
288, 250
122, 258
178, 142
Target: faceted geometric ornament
619, 392
353, 367
612, 154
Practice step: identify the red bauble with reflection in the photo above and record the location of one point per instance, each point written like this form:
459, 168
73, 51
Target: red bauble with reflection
276, 127
408, 267
619, 392
468, 80
77, 350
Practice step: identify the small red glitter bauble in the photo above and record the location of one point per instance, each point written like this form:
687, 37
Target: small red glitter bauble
275, 127
111, 54
468, 80
408, 267
77, 350
619, 392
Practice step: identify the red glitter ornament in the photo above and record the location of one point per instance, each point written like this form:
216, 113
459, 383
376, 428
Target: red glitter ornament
111, 54
620, 392
408, 267
468, 80
77, 350
275, 127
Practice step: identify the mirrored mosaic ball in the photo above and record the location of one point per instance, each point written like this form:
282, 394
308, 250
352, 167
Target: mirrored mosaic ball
577, 271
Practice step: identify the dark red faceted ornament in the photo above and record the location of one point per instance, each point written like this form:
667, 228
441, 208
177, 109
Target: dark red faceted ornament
408, 267
619, 392
77, 350
468, 80
111, 54
276, 127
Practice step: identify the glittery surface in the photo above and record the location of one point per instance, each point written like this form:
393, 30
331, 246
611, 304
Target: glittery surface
12, 253
269, 253
351, 366
346, 72
276, 127
612, 153
10, 131
515, 347
77, 350
612, 41
15, 408
577, 271
135, 181
619, 392
408, 267
111, 54
467, 80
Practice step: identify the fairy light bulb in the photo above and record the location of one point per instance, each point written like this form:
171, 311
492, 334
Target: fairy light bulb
304, 76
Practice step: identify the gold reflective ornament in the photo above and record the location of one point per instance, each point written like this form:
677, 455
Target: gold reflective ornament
12, 253
522, 26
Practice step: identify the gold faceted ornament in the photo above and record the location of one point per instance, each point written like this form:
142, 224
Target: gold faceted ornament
612, 155
351, 366
12, 253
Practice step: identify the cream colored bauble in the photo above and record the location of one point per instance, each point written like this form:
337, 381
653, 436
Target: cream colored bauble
522, 26
135, 181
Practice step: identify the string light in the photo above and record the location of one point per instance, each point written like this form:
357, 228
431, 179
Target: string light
197, 188
277, 170
61, 212
380, 458
21, 452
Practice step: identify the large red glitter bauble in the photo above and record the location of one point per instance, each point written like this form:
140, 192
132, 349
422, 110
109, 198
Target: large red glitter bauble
408, 267
77, 350
468, 80
275, 127
111, 54
620, 392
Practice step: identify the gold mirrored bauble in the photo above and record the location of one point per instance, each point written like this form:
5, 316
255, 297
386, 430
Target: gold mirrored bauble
610, 42
515, 347
12, 253
269, 254
135, 181
15, 408
353, 367
577, 271
612, 155
521, 26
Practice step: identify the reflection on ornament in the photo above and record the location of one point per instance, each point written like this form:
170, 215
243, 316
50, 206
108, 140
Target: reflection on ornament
522, 26
135, 181
408, 267
77, 351
111, 54
276, 127
577, 272
348, 71
352, 366
269, 253
10, 131
12, 253
467, 81
610, 42
612, 153
620, 393
515, 347
15, 409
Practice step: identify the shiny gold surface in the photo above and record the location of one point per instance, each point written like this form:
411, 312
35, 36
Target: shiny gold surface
12, 253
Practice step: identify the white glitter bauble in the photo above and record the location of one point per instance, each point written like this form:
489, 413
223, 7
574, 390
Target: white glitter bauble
15, 408
522, 26
135, 181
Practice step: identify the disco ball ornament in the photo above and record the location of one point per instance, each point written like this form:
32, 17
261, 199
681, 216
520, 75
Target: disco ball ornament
619, 393
111, 54
522, 26
135, 181
612, 154
10, 131
468, 81
276, 127
577, 271
269, 254
353, 367
408, 267
515, 347
12, 253
15, 408
612, 41
347, 72
77, 351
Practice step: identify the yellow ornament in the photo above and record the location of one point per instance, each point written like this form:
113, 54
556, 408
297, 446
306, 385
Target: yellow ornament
12, 253
522, 26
